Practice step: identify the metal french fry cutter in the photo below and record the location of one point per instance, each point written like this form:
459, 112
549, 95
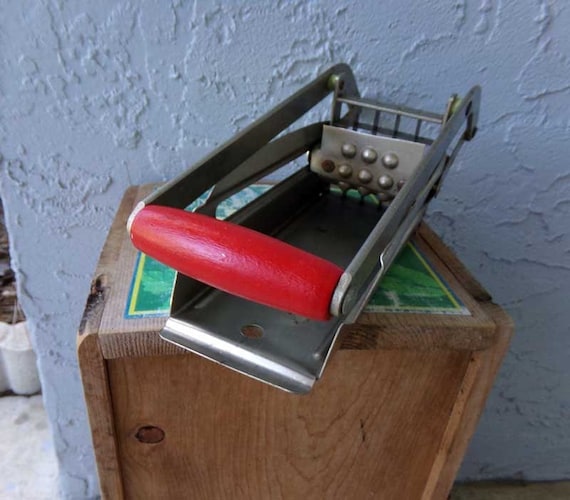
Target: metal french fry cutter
267, 291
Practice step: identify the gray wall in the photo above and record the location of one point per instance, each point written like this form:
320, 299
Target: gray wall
99, 95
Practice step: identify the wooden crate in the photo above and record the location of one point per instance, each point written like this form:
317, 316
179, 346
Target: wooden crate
390, 419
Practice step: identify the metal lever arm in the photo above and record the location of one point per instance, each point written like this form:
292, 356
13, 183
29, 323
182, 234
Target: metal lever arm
237, 260
270, 157
362, 275
189, 185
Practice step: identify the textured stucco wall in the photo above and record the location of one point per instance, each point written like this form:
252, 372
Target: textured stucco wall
99, 95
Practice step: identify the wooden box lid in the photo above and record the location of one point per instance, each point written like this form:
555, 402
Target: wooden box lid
464, 325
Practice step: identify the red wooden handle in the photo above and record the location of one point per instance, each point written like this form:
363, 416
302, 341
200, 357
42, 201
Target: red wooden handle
237, 260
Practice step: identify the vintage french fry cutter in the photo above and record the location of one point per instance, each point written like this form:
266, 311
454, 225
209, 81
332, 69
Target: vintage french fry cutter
267, 291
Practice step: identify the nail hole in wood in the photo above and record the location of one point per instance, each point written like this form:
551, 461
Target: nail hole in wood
150, 434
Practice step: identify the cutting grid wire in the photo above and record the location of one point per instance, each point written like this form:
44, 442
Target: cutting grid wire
391, 121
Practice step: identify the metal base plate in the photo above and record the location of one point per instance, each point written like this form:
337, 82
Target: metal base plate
292, 351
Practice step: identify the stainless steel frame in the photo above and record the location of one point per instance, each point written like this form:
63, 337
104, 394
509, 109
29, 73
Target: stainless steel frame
361, 237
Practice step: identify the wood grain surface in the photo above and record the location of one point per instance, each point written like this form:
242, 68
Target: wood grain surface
475, 388
97, 395
370, 429
381, 424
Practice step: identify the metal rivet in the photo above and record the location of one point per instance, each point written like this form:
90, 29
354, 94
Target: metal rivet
348, 150
344, 185
385, 181
401, 184
149, 434
345, 171
252, 331
390, 160
369, 155
364, 176
327, 166
333, 80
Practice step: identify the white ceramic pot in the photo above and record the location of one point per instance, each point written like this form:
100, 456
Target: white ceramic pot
18, 369
4, 384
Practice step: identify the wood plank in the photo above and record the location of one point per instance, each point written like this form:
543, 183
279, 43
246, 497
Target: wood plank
99, 409
370, 429
469, 406
92, 365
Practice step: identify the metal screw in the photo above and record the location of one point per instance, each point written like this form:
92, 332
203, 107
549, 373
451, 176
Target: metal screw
369, 155
364, 176
390, 160
333, 79
348, 150
345, 171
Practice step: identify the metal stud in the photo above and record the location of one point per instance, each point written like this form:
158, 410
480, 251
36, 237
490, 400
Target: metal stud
385, 181
401, 184
327, 166
348, 150
344, 185
369, 155
345, 171
364, 176
390, 160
